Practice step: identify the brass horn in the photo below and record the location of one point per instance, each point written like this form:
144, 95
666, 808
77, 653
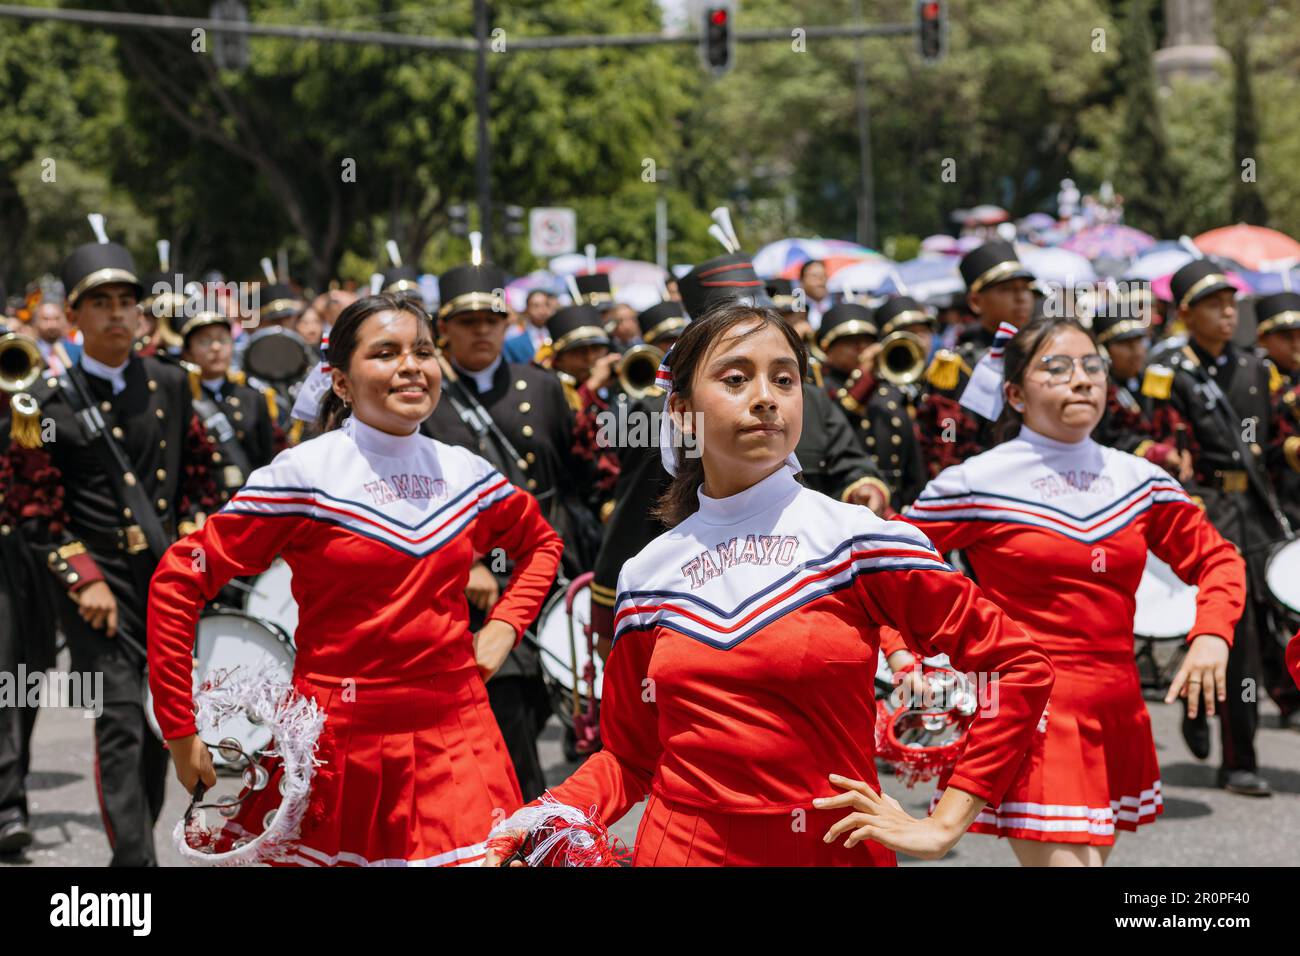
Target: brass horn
20, 362
637, 370
901, 359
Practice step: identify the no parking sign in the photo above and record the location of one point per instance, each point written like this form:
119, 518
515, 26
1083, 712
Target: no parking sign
552, 231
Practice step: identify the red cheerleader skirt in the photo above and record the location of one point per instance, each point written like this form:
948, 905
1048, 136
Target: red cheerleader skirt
674, 834
1091, 766
414, 773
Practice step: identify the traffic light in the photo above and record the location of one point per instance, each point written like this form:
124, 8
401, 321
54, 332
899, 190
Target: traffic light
458, 219
718, 40
514, 219
931, 30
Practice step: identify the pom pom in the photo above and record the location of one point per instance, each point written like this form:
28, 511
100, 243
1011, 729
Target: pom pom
550, 833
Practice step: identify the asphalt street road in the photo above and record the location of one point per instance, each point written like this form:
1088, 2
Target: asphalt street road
1201, 826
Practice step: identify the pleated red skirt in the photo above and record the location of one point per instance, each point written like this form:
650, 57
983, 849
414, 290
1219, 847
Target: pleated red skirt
674, 834
415, 773
1091, 767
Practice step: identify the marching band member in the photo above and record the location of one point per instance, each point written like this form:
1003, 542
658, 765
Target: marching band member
414, 766
849, 338
998, 292
1056, 529
1133, 419
515, 416
1221, 392
241, 420
108, 463
738, 693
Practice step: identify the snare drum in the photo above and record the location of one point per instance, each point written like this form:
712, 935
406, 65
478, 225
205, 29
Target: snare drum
1166, 607
227, 641
277, 355
270, 598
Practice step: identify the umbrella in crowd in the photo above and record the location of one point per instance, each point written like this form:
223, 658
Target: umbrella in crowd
924, 278
1109, 241
1270, 283
984, 215
864, 275
1036, 222
1056, 265
783, 258
1160, 262
1255, 247
517, 290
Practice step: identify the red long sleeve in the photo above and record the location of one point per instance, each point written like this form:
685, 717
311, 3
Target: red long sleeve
1180, 534
945, 613
190, 574
515, 524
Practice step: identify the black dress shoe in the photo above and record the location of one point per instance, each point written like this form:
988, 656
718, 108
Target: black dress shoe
1245, 782
14, 836
1197, 734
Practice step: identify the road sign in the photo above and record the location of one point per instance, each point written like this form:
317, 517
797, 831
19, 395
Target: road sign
552, 231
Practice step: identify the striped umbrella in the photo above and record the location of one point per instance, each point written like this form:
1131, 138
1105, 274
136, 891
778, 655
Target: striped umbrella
779, 259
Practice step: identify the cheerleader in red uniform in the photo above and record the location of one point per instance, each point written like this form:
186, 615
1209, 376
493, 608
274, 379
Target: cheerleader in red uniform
380, 526
1056, 529
738, 694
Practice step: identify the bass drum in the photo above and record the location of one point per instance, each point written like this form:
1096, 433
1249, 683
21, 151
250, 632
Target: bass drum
270, 598
1166, 607
277, 355
228, 641
1283, 578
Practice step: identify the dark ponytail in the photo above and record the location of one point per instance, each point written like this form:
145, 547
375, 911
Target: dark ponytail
1020, 351
680, 500
344, 341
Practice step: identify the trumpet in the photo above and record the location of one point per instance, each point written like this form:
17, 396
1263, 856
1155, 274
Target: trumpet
20, 362
637, 370
901, 360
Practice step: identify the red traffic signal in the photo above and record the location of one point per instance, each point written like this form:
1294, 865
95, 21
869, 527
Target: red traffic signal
717, 40
931, 30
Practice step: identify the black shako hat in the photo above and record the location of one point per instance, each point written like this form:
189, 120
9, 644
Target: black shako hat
95, 264
279, 301
472, 288
1196, 280
728, 278
782, 294
900, 312
1118, 328
847, 318
576, 325
661, 319
399, 279
595, 289
1277, 312
991, 263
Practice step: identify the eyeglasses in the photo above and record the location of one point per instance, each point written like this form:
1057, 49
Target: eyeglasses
1060, 368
